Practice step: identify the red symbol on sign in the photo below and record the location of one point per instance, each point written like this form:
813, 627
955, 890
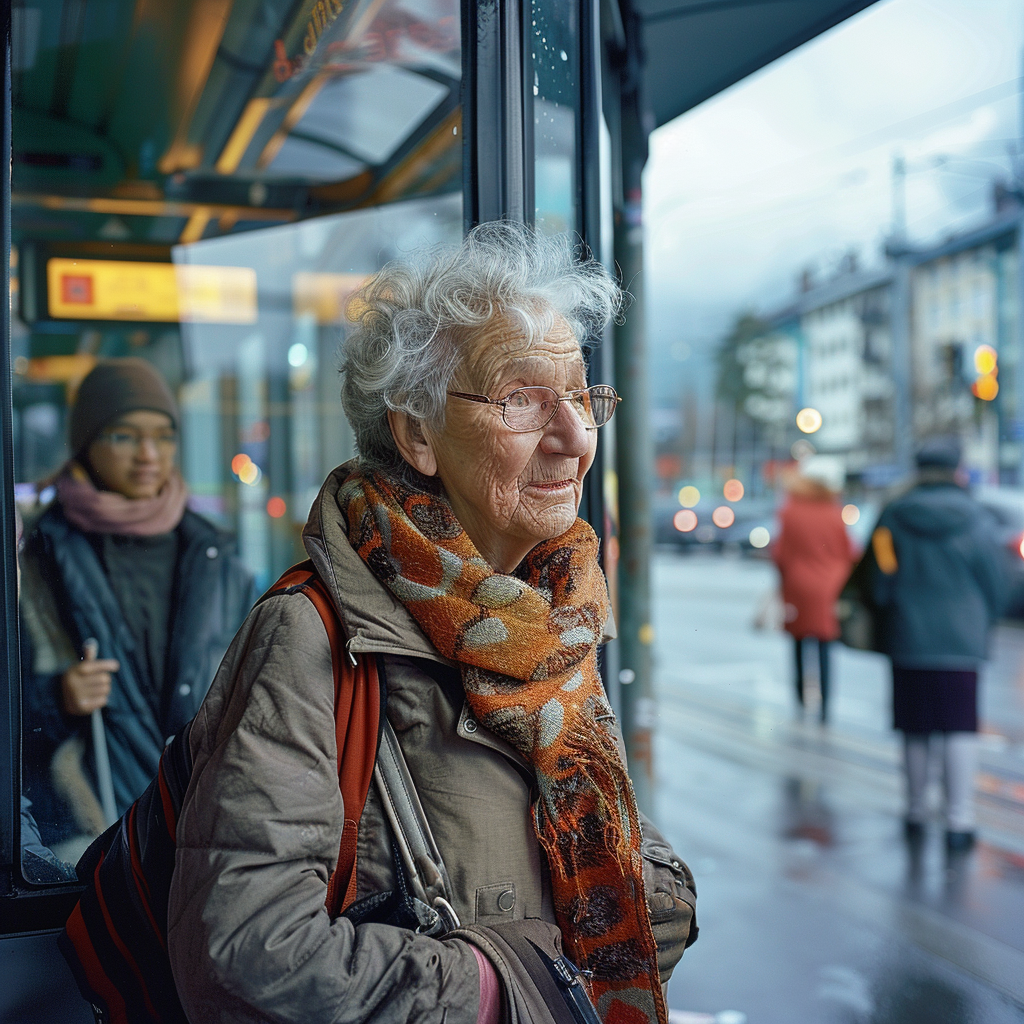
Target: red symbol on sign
76, 288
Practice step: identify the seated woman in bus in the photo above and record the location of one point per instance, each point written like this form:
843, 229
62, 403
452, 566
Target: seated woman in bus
128, 601
452, 550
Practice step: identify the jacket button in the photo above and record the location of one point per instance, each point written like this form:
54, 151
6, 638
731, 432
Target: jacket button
211, 552
184, 689
507, 900
469, 725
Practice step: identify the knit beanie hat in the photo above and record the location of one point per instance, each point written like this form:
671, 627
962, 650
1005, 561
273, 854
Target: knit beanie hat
111, 389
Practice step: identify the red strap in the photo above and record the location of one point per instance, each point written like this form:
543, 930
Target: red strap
356, 724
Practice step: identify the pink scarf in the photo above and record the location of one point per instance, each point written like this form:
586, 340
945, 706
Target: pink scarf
96, 511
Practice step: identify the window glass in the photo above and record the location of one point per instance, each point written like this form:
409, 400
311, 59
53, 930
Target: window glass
205, 196
554, 54
262, 423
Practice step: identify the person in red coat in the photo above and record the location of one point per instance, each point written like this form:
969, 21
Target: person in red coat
814, 556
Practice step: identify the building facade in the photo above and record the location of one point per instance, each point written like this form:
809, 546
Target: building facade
956, 308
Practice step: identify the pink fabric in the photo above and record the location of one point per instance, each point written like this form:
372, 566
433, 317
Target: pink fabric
96, 511
490, 991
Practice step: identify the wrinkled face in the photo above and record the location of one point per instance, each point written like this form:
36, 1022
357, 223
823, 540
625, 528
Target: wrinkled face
134, 454
513, 490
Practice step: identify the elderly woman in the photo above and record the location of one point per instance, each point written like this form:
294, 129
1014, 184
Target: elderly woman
453, 553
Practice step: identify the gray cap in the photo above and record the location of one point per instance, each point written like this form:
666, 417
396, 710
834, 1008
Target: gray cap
939, 453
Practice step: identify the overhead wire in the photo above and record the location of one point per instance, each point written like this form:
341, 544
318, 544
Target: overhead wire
864, 143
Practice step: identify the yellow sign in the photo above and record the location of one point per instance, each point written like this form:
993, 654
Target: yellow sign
125, 290
325, 296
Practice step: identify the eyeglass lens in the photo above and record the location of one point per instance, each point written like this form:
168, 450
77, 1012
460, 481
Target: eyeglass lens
532, 408
121, 438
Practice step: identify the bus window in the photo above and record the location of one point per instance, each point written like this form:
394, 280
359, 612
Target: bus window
205, 193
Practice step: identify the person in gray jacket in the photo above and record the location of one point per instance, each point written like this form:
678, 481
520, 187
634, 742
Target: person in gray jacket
938, 585
453, 554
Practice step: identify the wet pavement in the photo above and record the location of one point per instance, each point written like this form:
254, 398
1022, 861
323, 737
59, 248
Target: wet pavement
813, 908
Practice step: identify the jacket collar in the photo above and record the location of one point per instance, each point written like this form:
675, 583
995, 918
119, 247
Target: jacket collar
375, 620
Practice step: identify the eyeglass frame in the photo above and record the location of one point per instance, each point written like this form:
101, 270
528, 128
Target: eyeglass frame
503, 402
138, 438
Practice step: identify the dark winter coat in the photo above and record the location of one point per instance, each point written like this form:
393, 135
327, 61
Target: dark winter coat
936, 609
66, 598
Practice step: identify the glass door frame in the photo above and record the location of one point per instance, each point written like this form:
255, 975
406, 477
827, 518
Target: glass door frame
496, 185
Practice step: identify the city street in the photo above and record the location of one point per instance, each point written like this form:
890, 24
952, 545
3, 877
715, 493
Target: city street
812, 908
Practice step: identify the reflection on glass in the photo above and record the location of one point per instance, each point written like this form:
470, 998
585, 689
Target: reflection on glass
262, 423
261, 426
354, 105
352, 91
555, 96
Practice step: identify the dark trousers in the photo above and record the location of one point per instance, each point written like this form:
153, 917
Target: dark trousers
823, 671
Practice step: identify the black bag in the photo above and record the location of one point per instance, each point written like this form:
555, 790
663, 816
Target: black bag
858, 617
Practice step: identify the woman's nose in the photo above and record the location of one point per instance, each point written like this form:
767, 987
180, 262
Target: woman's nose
147, 449
566, 434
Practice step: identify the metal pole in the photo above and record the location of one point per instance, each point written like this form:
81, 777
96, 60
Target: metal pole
634, 450
902, 363
1017, 330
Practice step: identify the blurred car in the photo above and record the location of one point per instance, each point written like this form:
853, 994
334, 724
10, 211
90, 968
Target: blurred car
1006, 506
747, 524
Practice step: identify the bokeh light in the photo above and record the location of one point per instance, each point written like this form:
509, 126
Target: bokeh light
297, 354
250, 473
808, 420
685, 520
850, 514
688, 496
276, 507
985, 359
1020, 547
723, 516
760, 537
986, 388
239, 462
733, 490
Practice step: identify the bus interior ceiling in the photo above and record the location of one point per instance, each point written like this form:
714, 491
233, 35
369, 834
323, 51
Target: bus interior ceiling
149, 141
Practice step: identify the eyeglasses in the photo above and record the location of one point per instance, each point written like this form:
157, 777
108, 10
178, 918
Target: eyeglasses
125, 439
533, 408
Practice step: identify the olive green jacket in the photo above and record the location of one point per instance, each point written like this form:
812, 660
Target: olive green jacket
248, 935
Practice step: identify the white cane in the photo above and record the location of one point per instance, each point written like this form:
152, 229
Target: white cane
90, 649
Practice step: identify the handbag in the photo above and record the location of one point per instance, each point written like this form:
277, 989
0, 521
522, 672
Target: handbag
855, 609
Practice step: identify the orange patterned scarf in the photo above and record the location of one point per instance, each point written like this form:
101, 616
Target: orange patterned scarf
527, 647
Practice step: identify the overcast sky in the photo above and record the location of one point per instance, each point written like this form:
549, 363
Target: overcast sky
792, 167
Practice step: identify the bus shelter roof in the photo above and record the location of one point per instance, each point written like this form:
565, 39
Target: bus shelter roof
696, 48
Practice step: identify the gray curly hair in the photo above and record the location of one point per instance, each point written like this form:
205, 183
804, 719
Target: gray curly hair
413, 318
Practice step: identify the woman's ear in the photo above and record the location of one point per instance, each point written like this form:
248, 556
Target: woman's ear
412, 441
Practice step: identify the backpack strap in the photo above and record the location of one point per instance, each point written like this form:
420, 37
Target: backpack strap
358, 699
424, 868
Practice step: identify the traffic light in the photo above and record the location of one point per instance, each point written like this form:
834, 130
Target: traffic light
986, 366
